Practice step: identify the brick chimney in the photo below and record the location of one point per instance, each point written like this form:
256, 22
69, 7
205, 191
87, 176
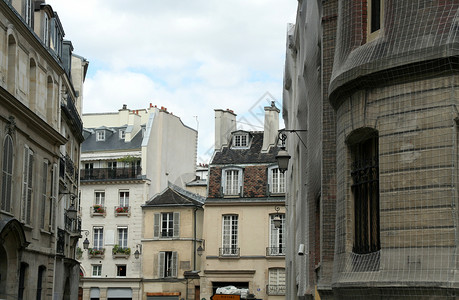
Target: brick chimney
271, 126
225, 123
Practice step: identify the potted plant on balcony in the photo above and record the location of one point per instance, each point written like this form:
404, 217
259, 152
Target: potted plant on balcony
118, 251
98, 209
93, 252
122, 209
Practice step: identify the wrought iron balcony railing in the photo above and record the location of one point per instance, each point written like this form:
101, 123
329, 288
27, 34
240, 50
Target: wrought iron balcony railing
275, 251
229, 252
72, 225
122, 211
110, 173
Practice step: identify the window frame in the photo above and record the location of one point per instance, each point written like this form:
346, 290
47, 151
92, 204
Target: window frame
230, 234
98, 237
99, 200
373, 33
27, 185
7, 174
98, 269
364, 177
240, 140
44, 193
123, 200
232, 191
118, 268
277, 235
278, 187
123, 234
167, 264
277, 278
100, 135
158, 225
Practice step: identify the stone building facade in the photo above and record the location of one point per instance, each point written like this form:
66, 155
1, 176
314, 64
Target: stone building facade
242, 246
40, 137
383, 223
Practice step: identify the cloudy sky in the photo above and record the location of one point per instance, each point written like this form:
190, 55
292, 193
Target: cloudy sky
191, 56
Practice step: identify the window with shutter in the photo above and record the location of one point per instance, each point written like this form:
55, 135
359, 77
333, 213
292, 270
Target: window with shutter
7, 173
156, 225
27, 185
176, 224
44, 196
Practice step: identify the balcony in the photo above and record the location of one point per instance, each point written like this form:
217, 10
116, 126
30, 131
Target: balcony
96, 252
69, 109
119, 252
275, 251
72, 225
97, 210
110, 173
275, 290
122, 211
229, 252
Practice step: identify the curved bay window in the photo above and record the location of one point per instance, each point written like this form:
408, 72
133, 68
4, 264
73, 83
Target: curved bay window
365, 190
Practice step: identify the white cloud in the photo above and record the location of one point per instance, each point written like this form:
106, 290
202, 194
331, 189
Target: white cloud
190, 56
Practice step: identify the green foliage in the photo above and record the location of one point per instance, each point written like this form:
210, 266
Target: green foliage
118, 250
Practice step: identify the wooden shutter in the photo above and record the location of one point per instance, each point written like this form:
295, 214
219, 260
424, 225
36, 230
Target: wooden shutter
176, 224
161, 259
156, 225
174, 264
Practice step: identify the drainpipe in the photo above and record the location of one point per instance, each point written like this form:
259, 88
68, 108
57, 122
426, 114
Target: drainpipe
194, 240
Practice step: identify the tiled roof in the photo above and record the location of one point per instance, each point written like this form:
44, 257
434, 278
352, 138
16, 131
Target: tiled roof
244, 156
175, 196
112, 140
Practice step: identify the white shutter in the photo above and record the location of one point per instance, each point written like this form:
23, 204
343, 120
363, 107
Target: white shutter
156, 225
176, 224
161, 258
174, 264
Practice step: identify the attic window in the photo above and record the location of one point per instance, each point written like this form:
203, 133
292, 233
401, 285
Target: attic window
122, 134
241, 140
100, 135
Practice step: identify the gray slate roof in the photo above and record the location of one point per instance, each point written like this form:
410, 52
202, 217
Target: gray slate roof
175, 196
112, 140
245, 156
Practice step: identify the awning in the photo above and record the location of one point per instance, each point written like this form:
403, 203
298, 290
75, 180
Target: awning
119, 293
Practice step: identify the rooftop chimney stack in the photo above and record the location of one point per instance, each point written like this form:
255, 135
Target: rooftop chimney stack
271, 126
225, 123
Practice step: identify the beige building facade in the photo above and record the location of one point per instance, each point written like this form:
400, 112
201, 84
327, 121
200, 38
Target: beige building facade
127, 157
40, 134
172, 222
244, 248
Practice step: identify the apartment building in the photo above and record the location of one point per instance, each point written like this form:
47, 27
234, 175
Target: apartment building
127, 157
244, 213
40, 134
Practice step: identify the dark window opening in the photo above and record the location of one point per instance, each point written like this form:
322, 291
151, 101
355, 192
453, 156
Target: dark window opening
121, 270
365, 189
375, 24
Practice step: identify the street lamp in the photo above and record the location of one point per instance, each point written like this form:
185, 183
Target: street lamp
137, 252
282, 156
277, 220
200, 250
86, 241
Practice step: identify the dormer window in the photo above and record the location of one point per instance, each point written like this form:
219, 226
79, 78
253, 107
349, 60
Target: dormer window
28, 12
241, 140
100, 135
46, 30
122, 134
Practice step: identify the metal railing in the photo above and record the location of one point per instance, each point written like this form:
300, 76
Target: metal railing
275, 251
72, 225
110, 173
275, 290
229, 252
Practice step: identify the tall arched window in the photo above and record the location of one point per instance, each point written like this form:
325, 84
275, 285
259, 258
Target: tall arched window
365, 190
32, 84
50, 100
7, 173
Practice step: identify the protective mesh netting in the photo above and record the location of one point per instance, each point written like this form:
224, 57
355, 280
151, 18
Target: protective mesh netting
402, 82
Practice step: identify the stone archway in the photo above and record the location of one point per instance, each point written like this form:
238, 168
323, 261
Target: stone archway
12, 241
